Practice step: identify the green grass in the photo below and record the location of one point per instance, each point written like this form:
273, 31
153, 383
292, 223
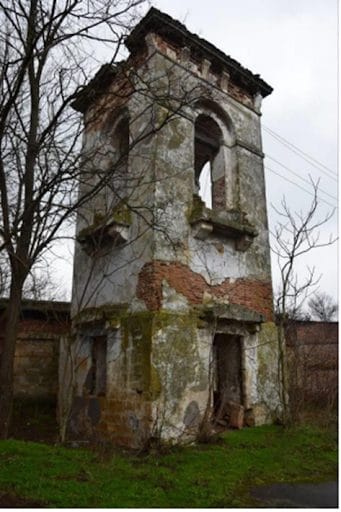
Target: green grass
211, 475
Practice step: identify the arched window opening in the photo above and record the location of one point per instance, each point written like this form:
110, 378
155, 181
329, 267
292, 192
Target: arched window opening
207, 144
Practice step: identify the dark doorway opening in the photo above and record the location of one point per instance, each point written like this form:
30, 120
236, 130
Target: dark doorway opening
227, 389
97, 377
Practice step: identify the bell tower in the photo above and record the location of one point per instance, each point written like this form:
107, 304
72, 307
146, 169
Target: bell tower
172, 298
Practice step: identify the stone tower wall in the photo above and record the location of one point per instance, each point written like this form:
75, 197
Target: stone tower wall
153, 294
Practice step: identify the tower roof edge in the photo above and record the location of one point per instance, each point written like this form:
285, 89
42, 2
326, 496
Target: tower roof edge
164, 25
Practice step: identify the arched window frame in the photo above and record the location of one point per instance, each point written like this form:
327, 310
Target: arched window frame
223, 161
110, 221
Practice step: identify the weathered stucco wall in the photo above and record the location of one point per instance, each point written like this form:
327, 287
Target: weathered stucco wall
152, 293
122, 412
162, 164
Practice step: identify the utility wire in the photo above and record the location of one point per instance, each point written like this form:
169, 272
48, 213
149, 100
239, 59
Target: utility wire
299, 186
298, 176
297, 149
206, 187
305, 156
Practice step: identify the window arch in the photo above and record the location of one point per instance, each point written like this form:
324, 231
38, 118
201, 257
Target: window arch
214, 157
113, 169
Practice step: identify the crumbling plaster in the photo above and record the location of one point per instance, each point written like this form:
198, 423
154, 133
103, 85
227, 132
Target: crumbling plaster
159, 346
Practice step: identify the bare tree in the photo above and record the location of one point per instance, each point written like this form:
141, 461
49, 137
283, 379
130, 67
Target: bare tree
295, 235
322, 307
44, 57
44, 60
40, 284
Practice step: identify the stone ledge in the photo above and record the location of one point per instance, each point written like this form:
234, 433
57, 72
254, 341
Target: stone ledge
228, 224
111, 229
232, 312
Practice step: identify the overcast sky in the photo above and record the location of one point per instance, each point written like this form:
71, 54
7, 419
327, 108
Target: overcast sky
293, 46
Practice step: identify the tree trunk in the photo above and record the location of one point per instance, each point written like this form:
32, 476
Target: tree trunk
12, 317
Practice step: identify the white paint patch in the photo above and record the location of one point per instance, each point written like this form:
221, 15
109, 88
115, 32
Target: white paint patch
172, 300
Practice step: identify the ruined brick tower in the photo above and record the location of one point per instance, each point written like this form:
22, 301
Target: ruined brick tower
172, 296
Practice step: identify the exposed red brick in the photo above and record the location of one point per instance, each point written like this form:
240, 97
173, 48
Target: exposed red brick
115, 97
240, 94
251, 293
312, 333
234, 90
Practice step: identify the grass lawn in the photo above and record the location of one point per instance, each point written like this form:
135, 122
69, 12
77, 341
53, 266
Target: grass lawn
210, 475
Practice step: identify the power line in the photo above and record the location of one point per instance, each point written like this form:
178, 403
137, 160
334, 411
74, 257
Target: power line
305, 156
299, 176
297, 149
298, 186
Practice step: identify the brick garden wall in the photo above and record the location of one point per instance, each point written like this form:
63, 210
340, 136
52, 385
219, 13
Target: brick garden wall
313, 357
37, 349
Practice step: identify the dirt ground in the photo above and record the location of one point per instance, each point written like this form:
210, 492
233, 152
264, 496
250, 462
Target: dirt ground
35, 421
12, 501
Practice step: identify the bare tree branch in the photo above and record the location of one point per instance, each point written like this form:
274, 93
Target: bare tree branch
296, 234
